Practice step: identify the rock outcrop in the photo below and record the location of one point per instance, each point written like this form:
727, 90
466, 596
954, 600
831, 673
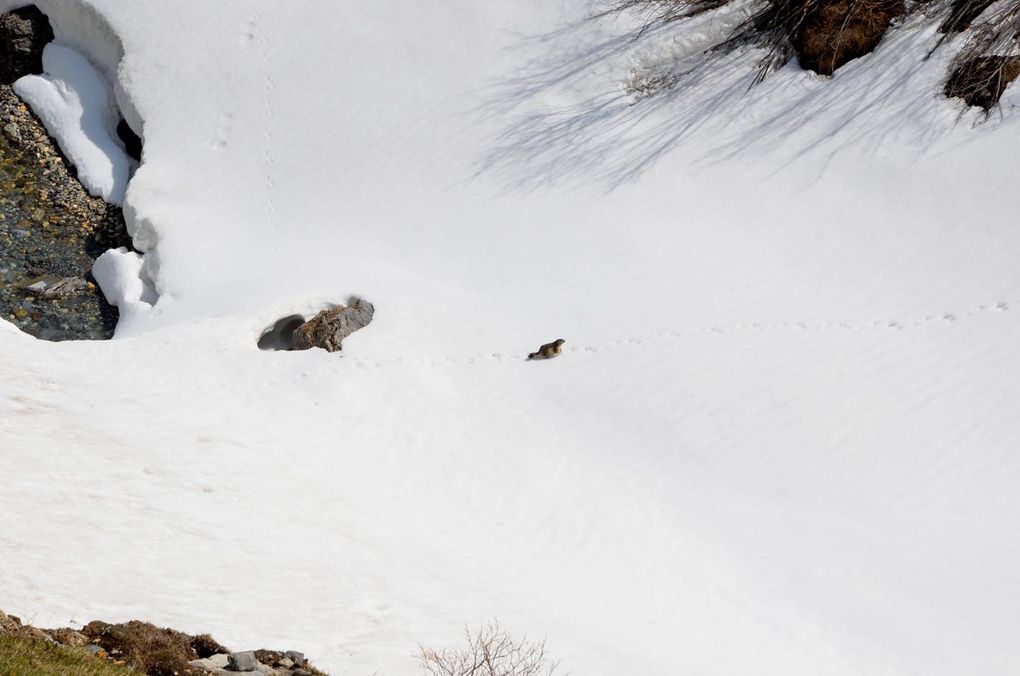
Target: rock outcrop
23, 34
329, 328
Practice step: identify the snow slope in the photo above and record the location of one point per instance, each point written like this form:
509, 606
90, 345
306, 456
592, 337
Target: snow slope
781, 438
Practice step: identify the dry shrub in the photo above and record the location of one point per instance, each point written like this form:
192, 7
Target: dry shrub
146, 647
205, 645
826, 34
989, 61
980, 81
962, 14
834, 32
823, 34
489, 652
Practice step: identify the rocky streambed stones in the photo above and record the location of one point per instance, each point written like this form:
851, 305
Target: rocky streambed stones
51, 231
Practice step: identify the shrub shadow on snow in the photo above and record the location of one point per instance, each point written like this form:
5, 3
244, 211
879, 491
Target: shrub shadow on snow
664, 93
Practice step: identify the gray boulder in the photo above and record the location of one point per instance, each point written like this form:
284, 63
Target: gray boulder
329, 328
244, 661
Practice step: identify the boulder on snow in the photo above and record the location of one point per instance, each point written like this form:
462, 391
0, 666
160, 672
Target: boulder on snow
23, 34
328, 328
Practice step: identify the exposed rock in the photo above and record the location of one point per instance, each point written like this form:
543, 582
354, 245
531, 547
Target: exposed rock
23, 34
50, 286
8, 623
211, 664
243, 661
67, 636
11, 624
328, 328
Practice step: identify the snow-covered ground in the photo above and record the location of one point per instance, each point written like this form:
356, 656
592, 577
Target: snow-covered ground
781, 440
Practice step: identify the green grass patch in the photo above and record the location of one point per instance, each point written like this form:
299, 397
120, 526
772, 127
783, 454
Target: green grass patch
28, 657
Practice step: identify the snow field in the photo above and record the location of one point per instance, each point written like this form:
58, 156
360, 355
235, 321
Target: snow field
779, 440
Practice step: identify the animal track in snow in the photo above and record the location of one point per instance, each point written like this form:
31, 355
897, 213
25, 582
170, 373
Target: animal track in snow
673, 334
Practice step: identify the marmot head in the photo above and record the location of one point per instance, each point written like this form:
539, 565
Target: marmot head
558, 342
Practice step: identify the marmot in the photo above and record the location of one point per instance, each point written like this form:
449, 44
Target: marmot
549, 350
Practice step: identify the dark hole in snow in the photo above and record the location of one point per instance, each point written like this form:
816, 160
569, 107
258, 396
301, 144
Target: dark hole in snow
280, 336
132, 143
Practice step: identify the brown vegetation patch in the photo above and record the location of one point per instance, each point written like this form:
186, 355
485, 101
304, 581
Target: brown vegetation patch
205, 645
157, 652
823, 34
981, 80
834, 32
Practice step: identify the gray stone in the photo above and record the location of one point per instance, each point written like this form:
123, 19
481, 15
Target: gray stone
51, 286
216, 664
328, 328
94, 649
297, 658
243, 661
12, 132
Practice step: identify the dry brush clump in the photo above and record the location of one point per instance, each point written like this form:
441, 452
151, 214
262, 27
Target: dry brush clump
153, 650
490, 651
824, 35
990, 59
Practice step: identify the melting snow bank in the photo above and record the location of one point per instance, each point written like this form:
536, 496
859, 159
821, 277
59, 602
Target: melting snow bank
122, 277
82, 100
75, 103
